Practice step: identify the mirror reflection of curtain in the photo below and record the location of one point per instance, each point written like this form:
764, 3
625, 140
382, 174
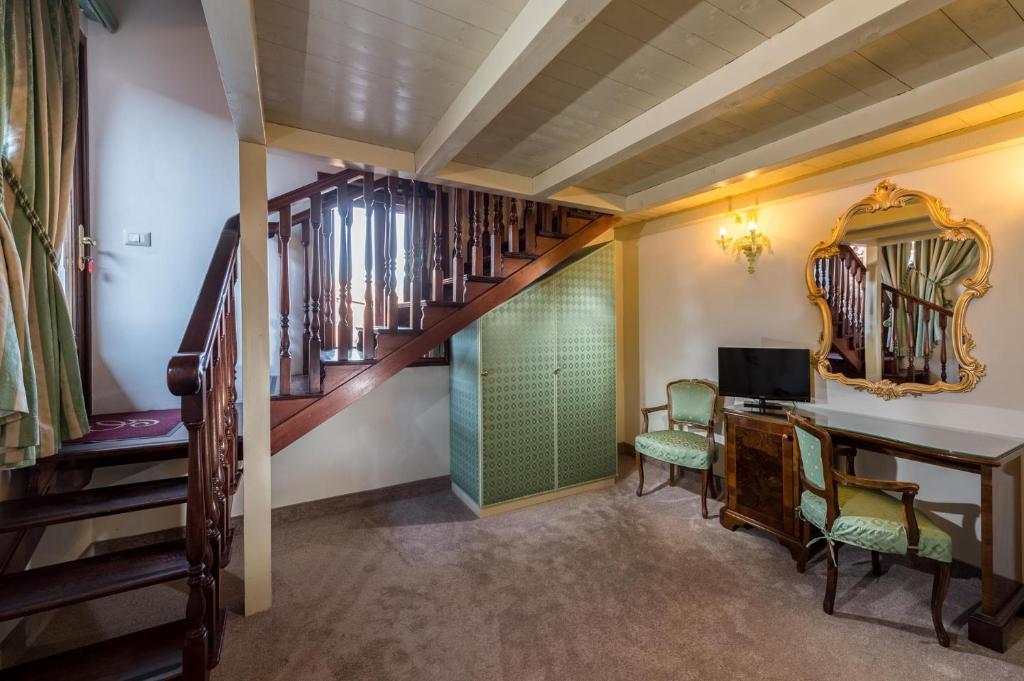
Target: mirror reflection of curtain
938, 266
895, 259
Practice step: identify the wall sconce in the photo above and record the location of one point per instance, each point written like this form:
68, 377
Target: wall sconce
751, 245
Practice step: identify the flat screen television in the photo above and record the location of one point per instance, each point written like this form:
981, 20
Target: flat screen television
765, 374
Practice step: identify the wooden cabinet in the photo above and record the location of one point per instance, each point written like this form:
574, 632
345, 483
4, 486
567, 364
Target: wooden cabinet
763, 478
532, 397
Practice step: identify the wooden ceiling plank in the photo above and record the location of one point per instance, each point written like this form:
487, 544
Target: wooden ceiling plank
534, 38
992, 24
836, 29
999, 77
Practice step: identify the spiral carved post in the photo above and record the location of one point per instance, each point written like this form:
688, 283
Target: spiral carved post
345, 330
497, 229
458, 264
390, 257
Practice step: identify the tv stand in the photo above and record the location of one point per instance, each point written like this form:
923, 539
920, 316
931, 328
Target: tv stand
762, 406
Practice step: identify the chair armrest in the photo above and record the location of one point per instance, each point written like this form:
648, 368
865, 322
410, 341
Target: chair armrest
908, 490
885, 485
646, 411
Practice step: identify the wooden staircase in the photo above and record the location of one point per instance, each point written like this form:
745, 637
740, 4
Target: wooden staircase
188, 646
843, 277
463, 253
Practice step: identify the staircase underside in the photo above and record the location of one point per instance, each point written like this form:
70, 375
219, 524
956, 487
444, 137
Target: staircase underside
347, 380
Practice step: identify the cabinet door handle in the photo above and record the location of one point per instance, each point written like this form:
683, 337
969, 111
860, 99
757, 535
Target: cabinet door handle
485, 372
557, 371
786, 437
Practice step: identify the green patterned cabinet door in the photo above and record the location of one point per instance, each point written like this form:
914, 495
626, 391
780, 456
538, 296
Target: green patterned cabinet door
517, 362
586, 444
464, 409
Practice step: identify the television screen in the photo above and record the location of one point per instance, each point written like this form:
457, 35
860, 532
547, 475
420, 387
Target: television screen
765, 373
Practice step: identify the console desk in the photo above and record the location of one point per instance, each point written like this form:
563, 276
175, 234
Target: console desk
764, 491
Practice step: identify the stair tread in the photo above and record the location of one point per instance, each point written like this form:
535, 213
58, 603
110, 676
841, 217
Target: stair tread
51, 509
152, 654
552, 235
477, 278
62, 584
396, 332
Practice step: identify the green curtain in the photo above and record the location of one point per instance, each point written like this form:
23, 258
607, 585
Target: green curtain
894, 273
41, 401
938, 266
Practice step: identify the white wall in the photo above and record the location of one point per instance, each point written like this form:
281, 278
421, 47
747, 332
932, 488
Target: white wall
693, 299
163, 159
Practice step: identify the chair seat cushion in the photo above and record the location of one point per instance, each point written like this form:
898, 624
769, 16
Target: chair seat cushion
873, 520
689, 450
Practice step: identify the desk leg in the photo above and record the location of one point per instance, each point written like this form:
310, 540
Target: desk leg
1002, 593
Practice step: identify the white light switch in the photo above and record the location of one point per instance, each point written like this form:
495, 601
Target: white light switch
138, 239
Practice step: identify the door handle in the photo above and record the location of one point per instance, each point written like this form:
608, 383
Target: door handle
557, 370
485, 372
84, 259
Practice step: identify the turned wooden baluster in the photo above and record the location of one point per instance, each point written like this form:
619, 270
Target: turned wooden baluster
196, 650
231, 418
214, 499
284, 233
530, 227
476, 217
327, 304
549, 214
513, 225
409, 197
484, 238
496, 231
415, 226
345, 330
316, 219
380, 222
563, 220
942, 345
391, 257
458, 264
927, 341
305, 297
911, 339
369, 316
437, 273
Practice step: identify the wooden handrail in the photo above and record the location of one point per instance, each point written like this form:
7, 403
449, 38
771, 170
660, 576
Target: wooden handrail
303, 192
185, 368
917, 301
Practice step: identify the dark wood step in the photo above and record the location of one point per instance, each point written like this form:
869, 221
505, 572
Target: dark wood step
20, 514
90, 455
151, 654
552, 235
55, 586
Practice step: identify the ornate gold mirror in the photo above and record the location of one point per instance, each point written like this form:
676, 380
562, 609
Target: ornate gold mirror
893, 285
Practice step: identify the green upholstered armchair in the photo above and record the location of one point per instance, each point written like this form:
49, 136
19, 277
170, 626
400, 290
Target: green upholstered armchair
691, 402
848, 509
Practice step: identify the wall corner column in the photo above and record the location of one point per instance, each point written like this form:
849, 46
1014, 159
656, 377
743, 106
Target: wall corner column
255, 337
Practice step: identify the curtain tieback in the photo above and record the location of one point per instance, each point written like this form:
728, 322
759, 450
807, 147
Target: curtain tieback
30, 212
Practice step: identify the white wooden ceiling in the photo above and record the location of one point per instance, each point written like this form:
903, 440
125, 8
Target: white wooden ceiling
386, 72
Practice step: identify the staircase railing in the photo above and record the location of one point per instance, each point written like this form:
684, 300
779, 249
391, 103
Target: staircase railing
842, 277
911, 313
202, 374
419, 242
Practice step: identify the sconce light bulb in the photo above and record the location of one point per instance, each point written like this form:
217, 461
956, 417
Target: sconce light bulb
752, 226
722, 232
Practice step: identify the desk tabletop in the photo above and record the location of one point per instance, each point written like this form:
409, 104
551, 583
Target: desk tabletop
940, 442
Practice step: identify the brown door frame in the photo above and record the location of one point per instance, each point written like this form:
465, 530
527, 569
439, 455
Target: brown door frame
81, 302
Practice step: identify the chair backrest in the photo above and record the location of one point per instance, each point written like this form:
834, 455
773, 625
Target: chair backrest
692, 401
814, 447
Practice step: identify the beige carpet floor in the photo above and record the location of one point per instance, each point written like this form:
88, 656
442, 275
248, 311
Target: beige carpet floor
601, 585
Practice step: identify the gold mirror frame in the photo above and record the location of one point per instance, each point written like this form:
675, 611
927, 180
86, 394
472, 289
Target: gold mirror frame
887, 195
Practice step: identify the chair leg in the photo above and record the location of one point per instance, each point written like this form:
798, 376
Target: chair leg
876, 564
640, 472
704, 482
672, 474
830, 584
939, 588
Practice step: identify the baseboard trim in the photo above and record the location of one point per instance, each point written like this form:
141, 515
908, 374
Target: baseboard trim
516, 504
